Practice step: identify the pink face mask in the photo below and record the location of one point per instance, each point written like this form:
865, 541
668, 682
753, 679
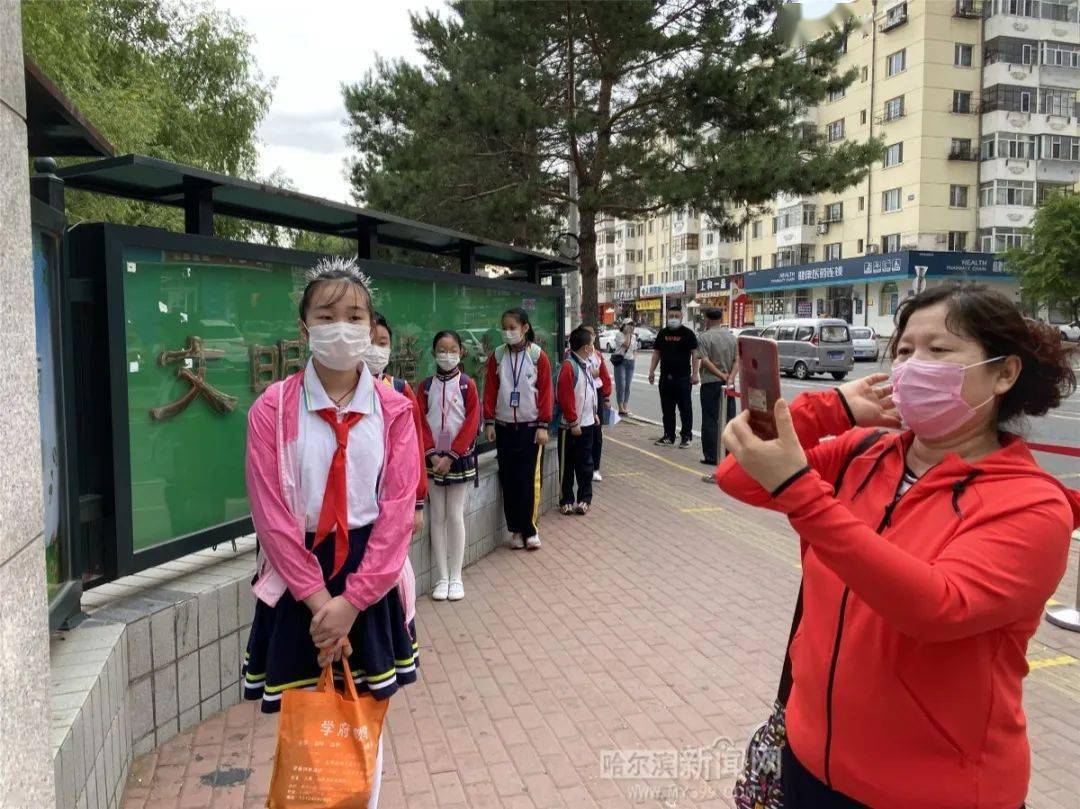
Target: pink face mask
929, 396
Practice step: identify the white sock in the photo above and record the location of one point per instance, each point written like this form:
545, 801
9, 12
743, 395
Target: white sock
437, 499
376, 778
455, 528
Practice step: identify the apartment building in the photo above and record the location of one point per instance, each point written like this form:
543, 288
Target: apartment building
977, 105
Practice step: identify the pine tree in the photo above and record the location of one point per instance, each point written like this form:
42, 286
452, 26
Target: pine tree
655, 105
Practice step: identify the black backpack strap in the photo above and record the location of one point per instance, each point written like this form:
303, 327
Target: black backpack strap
784, 690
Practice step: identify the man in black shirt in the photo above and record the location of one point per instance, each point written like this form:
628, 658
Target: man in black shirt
675, 346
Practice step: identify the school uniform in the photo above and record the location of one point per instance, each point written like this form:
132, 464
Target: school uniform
602, 382
451, 407
316, 530
577, 397
402, 387
518, 399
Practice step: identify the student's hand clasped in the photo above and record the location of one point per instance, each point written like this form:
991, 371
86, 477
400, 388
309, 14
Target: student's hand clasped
441, 465
334, 652
770, 463
333, 621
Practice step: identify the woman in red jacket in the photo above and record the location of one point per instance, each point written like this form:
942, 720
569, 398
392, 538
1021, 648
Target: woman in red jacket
926, 573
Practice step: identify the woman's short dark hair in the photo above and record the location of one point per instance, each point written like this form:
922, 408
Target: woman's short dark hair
977, 312
335, 268
377, 319
446, 333
522, 317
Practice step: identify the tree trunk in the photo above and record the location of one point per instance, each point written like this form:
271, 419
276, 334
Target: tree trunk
590, 309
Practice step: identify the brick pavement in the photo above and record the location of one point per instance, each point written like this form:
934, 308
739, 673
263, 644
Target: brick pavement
655, 623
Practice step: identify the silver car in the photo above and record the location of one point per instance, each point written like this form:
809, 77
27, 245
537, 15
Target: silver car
809, 346
865, 341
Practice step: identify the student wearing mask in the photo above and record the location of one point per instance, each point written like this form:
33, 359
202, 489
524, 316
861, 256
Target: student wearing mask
577, 397
674, 349
926, 568
332, 469
517, 410
376, 358
716, 358
452, 419
601, 380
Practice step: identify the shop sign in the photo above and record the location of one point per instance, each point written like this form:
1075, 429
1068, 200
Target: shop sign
670, 288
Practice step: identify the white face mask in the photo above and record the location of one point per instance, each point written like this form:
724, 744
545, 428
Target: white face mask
674, 322
447, 360
512, 337
376, 358
339, 346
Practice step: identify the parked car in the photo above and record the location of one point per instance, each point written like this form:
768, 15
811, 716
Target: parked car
1070, 331
865, 342
809, 346
646, 337
748, 331
606, 338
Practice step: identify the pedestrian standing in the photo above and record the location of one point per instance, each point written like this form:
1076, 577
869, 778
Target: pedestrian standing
332, 469
601, 380
927, 558
577, 395
451, 409
674, 349
518, 398
716, 360
622, 360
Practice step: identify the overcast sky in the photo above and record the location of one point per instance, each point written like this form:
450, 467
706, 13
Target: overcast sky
312, 47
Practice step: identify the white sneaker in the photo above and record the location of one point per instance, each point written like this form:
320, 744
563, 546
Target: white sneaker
533, 542
457, 590
597, 477
516, 542
442, 587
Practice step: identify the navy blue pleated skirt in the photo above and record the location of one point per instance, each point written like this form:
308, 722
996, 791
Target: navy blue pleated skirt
281, 655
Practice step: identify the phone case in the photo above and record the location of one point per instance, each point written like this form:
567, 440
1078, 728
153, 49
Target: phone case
759, 372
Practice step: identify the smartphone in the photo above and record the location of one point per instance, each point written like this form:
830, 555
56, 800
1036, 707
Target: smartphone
759, 374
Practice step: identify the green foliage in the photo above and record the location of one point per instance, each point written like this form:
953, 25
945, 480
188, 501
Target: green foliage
1049, 265
658, 104
159, 78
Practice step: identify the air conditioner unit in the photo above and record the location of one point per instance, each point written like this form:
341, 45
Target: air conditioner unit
909, 245
823, 228
873, 248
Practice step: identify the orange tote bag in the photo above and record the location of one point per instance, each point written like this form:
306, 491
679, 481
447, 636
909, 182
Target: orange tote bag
326, 748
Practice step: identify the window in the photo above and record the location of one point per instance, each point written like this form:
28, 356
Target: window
629, 256
737, 266
836, 95
862, 203
652, 253
688, 241
962, 55
1060, 147
862, 118
958, 196
835, 334
961, 102
833, 251
1061, 103
755, 228
894, 155
1060, 54
859, 249
890, 298
650, 231
890, 200
895, 16
865, 73
1007, 192
960, 148
894, 108
804, 333
890, 243
755, 263
1007, 97
663, 223
834, 212
957, 240
1009, 145
652, 277
836, 130
770, 333
786, 333
998, 240
663, 251
710, 237
895, 63
640, 255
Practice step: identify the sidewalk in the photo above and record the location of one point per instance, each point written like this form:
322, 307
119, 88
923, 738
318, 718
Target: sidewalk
657, 623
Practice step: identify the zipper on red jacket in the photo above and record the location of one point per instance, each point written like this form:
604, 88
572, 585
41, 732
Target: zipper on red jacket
836, 646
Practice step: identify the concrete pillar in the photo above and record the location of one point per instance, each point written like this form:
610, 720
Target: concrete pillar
26, 771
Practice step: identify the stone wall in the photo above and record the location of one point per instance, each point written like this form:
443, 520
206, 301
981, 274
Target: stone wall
26, 777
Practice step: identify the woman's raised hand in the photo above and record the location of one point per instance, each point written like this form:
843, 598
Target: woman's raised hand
871, 402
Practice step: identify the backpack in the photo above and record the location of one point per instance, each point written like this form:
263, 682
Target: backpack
463, 386
758, 785
556, 412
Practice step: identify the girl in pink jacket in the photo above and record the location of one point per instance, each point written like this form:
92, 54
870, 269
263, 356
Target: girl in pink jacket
332, 469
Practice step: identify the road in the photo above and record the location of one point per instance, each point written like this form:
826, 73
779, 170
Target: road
1059, 427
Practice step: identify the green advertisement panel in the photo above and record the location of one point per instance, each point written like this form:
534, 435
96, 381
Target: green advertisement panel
205, 333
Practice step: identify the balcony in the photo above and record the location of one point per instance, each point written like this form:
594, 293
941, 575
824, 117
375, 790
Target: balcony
894, 18
971, 108
964, 154
968, 9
